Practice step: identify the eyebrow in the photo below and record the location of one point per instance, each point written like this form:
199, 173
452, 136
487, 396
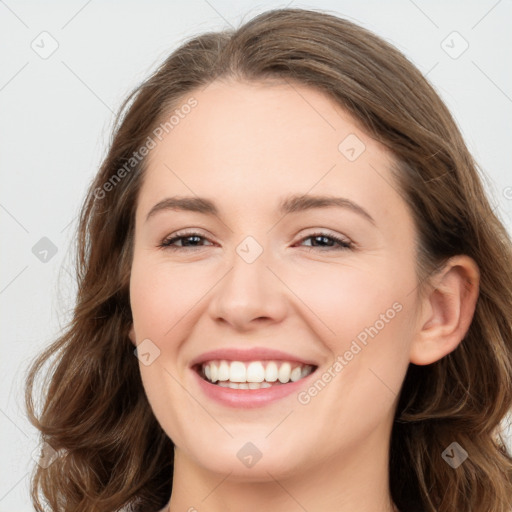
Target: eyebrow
291, 204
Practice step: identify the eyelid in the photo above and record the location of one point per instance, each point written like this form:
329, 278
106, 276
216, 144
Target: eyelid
324, 232
342, 241
184, 233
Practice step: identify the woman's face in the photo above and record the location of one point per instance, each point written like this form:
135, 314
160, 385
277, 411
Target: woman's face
259, 281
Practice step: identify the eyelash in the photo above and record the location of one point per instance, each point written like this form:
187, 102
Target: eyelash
342, 244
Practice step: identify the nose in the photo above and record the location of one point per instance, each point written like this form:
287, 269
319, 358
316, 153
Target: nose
249, 295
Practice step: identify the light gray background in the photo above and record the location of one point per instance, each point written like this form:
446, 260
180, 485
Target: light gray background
56, 114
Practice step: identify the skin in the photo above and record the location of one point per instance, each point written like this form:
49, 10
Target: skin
247, 146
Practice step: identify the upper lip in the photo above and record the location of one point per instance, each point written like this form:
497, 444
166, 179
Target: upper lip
253, 354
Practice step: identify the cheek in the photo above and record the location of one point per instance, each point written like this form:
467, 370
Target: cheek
345, 298
160, 296
363, 313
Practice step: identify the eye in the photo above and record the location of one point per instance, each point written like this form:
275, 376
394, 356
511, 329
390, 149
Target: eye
327, 238
192, 240
185, 238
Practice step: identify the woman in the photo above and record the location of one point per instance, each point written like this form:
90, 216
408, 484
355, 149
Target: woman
291, 236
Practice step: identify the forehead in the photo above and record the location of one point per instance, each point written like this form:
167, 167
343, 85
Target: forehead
250, 143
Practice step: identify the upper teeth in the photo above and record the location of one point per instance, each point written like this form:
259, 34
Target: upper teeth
255, 371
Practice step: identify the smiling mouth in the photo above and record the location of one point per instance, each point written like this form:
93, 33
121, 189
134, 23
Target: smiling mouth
252, 374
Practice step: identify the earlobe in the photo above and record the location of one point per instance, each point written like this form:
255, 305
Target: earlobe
448, 311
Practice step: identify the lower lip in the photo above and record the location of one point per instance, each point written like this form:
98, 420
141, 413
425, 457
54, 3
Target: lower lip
248, 398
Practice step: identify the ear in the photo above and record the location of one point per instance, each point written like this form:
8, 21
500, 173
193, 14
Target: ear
131, 335
446, 311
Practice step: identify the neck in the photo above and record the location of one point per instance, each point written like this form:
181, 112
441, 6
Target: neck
345, 483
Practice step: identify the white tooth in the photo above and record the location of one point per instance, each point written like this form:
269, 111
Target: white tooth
243, 385
306, 371
237, 372
223, 384
265, 384
255, 372
207, 372
233, 385
213, 371
296, 374
284, 373
271, 372
254, 385
223, 373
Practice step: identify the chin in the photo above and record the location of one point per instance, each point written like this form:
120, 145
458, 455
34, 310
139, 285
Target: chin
249, 460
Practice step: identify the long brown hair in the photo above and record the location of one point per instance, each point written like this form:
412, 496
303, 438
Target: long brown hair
94, 410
